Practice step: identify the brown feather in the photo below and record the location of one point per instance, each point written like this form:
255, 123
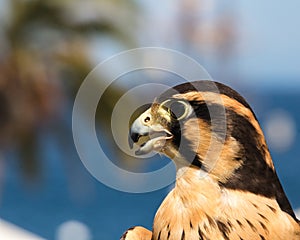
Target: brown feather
219, 213
137, 233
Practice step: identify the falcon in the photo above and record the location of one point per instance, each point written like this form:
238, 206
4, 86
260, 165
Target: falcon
226, 185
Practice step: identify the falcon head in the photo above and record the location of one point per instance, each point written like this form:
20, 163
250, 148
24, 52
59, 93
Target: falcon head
159, 128
209, 126
196, 123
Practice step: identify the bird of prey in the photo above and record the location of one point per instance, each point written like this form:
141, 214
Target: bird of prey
226, 185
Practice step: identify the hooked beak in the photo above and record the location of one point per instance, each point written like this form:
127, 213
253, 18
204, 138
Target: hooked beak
146, 135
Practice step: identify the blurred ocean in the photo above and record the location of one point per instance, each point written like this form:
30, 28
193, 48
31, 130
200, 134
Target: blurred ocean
65, 191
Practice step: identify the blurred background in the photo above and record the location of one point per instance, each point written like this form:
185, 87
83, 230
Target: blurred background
47, 48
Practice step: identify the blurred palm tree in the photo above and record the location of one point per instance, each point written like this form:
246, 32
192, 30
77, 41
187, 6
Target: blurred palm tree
44, 57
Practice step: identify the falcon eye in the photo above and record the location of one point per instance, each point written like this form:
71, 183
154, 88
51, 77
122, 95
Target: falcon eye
177, 109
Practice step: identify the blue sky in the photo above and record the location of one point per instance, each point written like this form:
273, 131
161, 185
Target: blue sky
270, 43
268, 46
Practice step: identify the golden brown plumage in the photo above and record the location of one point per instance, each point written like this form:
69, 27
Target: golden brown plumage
137, 233
226, 185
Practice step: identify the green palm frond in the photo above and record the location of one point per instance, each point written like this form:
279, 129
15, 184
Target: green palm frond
46, 61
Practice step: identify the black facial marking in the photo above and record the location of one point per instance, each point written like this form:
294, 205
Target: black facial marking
218, 127
255, 175
201, 110
186, 150
213, 114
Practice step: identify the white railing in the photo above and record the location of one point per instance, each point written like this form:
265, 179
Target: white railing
9, 231
297, 212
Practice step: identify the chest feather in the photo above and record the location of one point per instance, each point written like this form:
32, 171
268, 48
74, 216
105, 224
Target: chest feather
205, 211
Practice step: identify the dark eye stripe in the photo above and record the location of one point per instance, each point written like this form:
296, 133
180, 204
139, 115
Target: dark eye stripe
256, 173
